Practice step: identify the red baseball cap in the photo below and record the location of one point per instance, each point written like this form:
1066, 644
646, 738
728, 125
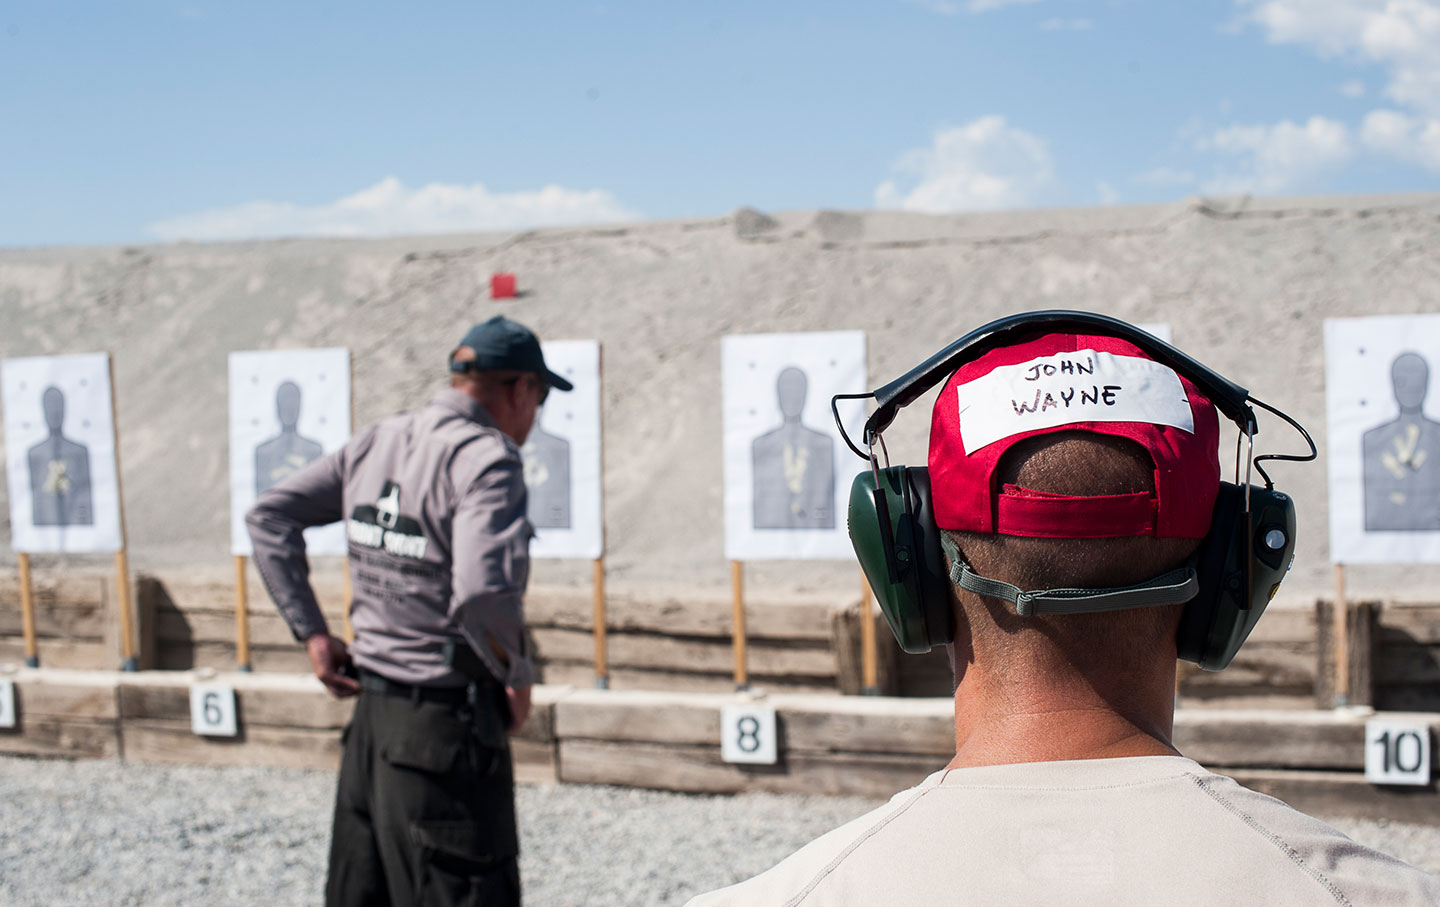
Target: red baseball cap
1072, 382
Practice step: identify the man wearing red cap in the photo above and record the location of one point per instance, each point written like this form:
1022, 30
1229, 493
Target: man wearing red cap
1077, 463
434, 508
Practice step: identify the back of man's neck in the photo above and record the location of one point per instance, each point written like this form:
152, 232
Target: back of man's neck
1057, 724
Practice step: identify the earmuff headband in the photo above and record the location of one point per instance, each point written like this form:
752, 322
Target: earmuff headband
1228, 397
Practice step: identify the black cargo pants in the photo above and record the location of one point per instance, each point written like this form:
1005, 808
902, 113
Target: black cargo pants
425, 811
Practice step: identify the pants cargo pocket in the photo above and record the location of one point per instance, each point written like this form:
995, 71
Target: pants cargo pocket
464, 865
434, 748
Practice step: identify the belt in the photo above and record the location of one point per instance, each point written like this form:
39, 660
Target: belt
374, 683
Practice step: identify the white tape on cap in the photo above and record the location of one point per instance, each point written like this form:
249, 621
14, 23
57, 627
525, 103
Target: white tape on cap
1083, 386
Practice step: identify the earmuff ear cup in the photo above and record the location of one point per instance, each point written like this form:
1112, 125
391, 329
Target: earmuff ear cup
1240, 565
892, 529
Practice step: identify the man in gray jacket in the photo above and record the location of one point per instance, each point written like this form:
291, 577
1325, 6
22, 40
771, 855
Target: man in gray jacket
434, 505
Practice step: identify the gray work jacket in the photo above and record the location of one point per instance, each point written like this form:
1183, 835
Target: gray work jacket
434, 508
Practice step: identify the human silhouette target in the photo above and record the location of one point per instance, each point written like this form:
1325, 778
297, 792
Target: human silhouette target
1401, 457
60, 454
547, 478
59, 471
288, 408
793, 465
289, 451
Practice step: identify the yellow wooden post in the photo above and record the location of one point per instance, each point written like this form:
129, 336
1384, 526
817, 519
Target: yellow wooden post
27, 612
242, 615
128, 662
1342, 639
869, 660
737, 587
602, 669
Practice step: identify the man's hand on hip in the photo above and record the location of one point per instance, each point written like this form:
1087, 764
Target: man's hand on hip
327, 656
519, 707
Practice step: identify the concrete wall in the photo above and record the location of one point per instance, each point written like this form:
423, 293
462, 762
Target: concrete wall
1244, 284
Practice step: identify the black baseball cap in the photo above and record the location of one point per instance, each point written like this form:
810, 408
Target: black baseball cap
507, 345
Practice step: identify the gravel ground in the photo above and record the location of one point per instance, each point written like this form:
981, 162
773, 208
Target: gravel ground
113, 833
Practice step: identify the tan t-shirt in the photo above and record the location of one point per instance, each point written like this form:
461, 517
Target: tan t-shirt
1149, 830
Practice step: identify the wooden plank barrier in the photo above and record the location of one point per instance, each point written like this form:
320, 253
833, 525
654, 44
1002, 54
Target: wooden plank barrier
187, 621
860, 745
1406, 676
686, 644
194, 621
285, 720
63, 712
72, 613
868, 746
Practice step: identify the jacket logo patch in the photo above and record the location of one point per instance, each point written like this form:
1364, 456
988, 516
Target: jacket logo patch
381, 525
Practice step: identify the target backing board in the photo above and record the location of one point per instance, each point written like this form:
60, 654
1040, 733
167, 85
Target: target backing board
562, 458
787, 470
60, 454
1160, 329
288, 408
1382, 416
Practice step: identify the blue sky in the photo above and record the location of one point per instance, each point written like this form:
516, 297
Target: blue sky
143, 122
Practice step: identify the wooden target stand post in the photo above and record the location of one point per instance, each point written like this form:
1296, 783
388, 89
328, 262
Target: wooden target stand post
602, 666
1341, 633
128, 661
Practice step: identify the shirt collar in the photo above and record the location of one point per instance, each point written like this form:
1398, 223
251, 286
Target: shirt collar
458, 401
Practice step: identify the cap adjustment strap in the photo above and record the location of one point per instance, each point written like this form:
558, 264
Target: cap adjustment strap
1172, 588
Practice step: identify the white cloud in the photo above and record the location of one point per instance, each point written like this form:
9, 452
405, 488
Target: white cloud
1280, 157
1165, 176
1401, 35
1107, 193
985, 164
1066, 25
389, 208
1414, 139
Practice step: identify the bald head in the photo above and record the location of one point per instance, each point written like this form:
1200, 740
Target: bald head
1074, 463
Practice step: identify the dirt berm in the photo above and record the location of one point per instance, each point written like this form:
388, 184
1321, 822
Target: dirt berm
1244, 284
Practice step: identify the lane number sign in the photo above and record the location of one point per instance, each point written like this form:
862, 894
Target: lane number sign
747, 734
212, 709
7, 702
1397, 752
